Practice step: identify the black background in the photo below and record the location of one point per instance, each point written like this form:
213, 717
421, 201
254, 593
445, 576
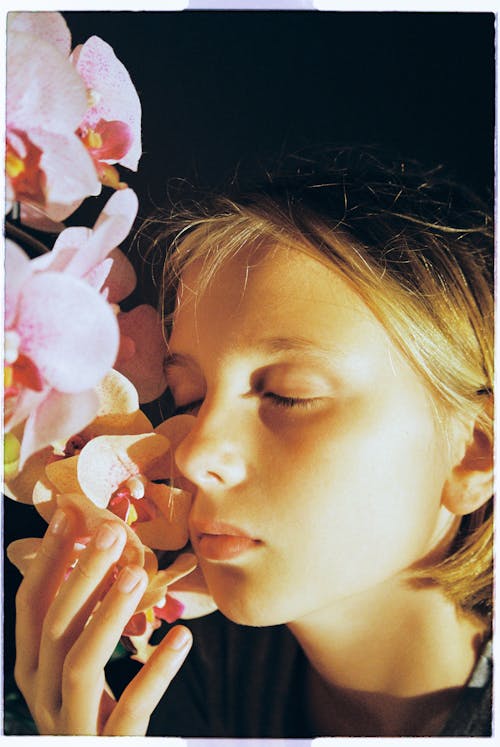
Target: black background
225, 88
227, 91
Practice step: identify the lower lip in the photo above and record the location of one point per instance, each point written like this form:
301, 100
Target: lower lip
224, 546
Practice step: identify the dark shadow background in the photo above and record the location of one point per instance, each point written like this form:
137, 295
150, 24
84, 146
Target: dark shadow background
225, 92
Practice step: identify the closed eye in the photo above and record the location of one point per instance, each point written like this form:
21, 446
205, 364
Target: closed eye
277, 400
289, 402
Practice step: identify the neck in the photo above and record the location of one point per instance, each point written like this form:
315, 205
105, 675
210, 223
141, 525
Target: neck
389, 662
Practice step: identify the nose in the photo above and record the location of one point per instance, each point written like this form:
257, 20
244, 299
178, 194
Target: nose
212, 455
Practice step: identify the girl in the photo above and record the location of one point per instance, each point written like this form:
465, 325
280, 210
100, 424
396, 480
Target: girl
331, 333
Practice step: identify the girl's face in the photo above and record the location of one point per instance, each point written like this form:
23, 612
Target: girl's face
315, 459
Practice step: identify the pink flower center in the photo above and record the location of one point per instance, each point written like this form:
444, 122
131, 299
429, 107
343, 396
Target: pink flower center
131, 508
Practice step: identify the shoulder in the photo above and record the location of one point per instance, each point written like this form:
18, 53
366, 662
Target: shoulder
472, 715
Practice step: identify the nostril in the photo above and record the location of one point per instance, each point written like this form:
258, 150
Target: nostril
213, 476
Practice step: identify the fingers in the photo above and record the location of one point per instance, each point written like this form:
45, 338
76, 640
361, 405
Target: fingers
72, 608
36, 593
132, 712
84, 664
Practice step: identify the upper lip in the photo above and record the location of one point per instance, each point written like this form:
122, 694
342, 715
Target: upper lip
219, 528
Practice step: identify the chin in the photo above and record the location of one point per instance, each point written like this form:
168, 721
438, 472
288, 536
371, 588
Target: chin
242, 603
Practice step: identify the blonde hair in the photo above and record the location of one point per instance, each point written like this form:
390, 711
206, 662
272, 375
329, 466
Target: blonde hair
417, 249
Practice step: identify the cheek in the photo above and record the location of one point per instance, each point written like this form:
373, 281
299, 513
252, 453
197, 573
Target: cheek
363, 502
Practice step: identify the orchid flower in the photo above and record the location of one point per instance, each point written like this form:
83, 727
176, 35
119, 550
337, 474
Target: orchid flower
111, 128
69, 118
61, 338
116, 477
93, 256
118, 413
47, 164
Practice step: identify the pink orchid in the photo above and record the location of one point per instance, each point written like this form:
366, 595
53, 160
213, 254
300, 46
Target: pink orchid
118, 413
111, 128
142, 351
69, 118
92, 255
61, 338
48, 167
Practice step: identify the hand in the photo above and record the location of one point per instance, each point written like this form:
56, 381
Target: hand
61, 654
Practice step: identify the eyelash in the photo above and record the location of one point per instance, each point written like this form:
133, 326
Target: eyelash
277, 399
289, 402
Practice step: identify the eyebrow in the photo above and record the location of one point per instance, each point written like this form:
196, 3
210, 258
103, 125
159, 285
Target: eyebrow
266, 345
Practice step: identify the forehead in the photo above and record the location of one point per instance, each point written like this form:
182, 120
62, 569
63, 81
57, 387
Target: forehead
272, 292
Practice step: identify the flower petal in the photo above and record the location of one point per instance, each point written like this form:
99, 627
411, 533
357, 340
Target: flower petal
119, 412
116, 97
20, 488
122, 277
116, 140
43, 88
119, 213
146, 368
57, 418
68, 243
67, 330
169, 530
89, 517
110, 229
69, 170
108, 461
18, 269
49, 26
161, 580
62, 473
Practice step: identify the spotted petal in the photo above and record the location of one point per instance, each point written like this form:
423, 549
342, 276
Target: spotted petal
119, 412
58, 417
115, 96
48, 26
108, 461
67, 330
43, 89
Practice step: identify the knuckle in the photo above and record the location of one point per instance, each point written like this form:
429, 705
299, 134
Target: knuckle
75, 672
134, 710
52, 632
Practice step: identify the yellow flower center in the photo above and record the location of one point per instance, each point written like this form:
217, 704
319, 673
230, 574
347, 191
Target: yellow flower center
132, 515
92, 139
8, 376
13, 164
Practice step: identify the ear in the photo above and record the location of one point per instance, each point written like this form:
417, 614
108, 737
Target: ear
470, 484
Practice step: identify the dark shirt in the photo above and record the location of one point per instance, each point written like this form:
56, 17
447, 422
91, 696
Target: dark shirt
244, 682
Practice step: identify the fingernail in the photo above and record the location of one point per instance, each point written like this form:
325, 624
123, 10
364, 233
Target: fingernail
59, 522
106, 536
178, 638
129, 579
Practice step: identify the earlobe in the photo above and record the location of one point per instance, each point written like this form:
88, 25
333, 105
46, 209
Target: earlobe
470, 484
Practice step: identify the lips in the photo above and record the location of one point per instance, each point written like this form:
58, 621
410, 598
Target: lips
219, 541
